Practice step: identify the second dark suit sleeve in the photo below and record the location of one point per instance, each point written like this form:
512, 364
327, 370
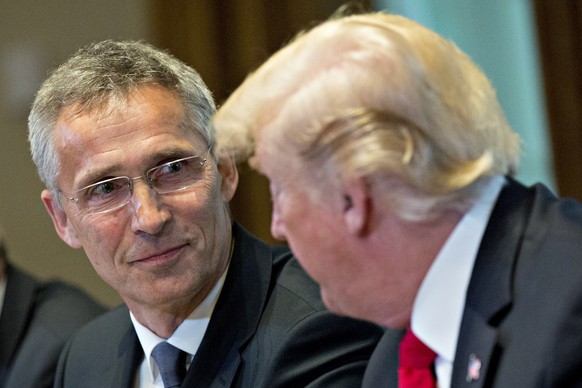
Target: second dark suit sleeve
323, 350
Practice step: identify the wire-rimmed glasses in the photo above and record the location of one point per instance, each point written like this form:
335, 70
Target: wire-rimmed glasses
110, 194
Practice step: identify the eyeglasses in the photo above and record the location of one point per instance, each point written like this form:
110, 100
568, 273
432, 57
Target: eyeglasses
111, 194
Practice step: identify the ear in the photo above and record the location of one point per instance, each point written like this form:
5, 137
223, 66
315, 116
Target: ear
357, 206
64, 229
229, 175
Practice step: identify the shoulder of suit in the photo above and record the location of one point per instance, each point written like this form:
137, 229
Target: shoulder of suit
292, 279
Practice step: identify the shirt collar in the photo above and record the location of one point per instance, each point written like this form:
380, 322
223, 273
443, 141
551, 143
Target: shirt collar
439, 304
188, 336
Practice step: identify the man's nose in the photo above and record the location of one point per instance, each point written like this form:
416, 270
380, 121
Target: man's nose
149, 215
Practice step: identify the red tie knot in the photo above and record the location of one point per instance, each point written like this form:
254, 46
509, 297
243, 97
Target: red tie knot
414, 353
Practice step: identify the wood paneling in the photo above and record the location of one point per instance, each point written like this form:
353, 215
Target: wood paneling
559, 25
224, 41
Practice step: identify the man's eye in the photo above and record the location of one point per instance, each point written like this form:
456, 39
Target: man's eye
104, 189
172, 167
178, 172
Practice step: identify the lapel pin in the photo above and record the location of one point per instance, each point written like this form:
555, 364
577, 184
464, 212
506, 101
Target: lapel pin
473, 368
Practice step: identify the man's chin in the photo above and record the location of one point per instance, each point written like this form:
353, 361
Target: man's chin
331, 303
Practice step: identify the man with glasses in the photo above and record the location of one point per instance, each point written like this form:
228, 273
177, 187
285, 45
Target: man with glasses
121, 137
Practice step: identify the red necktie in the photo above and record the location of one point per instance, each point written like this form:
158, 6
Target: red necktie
415, 368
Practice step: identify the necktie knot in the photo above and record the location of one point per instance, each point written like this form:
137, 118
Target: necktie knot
171, 362
415, 365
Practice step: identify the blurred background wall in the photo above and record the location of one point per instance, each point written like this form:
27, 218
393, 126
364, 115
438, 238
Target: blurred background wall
225, 39
35, 36
499, 35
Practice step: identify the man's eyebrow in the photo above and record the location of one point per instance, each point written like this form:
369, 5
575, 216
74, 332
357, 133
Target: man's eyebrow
169, 153
149, 161
94, 176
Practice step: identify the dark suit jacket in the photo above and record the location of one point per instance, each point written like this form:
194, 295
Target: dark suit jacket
523, 311
269, 329
36, 321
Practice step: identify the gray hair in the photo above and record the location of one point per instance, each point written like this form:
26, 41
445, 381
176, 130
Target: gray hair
100, 72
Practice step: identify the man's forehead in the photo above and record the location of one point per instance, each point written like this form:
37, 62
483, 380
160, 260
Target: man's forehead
117, 139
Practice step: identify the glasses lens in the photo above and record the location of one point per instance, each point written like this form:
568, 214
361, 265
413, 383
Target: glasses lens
106, 195
176, 175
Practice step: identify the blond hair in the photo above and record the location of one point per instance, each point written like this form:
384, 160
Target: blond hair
379, 97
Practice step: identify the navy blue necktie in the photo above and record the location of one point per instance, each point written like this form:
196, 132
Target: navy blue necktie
171, 362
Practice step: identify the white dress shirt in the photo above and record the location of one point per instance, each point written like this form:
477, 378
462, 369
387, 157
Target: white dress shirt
187, 338
440, 302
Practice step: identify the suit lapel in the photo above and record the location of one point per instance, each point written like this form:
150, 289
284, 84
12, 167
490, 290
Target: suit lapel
474, 352
489, 293
382, 369
130, 355
125, 354
236, 315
